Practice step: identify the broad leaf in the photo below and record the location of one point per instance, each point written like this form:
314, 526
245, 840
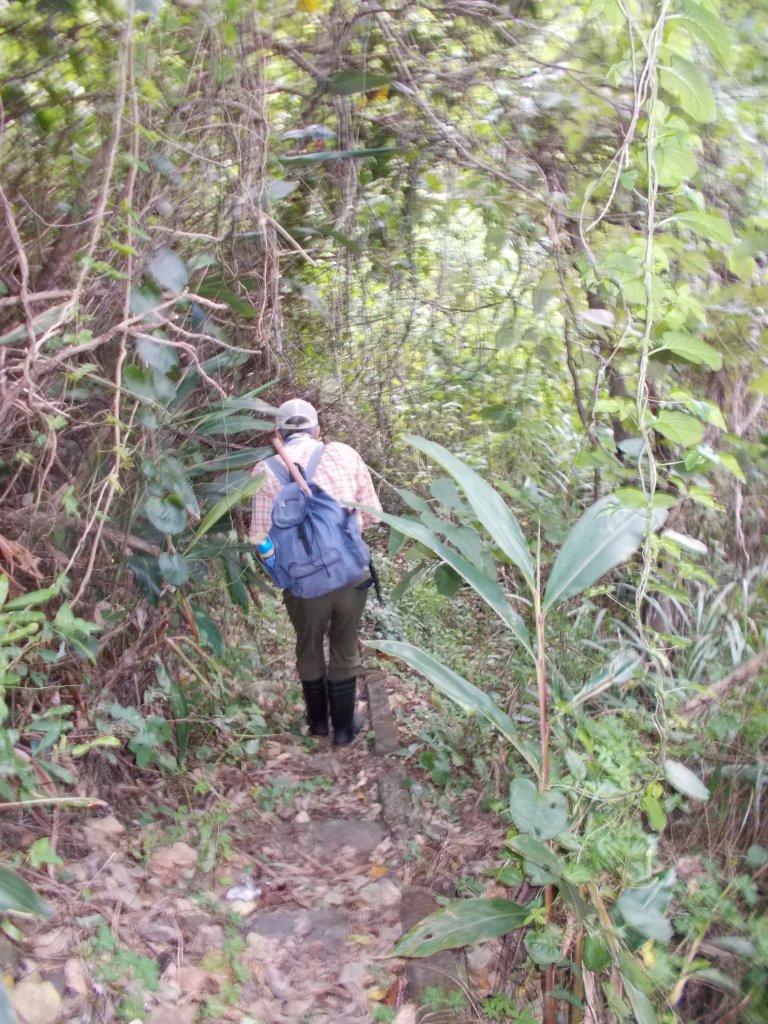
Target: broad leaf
684, 780
169, 271
488, 589
641, 1004
15, 894
175, 568
487, 504
466, 694
157, 355
167, 515
642, 908
347, 83
241, 493
595, 955
541, 865
462, 924
688, 84
711, 30
148, 384
605, 536
173, 477
694, 350
679, 427
712, 226
542, 815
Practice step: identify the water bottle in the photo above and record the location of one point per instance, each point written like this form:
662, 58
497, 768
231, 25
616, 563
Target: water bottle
266, 550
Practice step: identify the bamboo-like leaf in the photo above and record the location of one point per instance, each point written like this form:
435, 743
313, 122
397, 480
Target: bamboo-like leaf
487, 504
246, 490
462, 924
605, 536
459, 689
16, 894
488, 589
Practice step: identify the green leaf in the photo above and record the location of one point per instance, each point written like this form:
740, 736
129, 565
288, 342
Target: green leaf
146, 573
595, 955
711, 30
694, 350
541, 864
167, 515
148, 384
543, 815
487, 504
684, 780
679, 427
675, 159
169, 271
712, 226
654, 812
641, 1004
488, 589
15, 894
155, 354
462, 924
223, 424
347, 83
7, 1014
175, 568
173, 477
544, 947
238, 494
605, 536
688, 84
642, 908
620, 669
458, 689
760, 384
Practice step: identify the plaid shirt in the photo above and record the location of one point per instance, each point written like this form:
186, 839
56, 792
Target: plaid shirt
341, 472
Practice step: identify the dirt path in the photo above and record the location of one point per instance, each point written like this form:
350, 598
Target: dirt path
273, 895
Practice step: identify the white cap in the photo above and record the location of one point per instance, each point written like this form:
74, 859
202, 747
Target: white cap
296, 414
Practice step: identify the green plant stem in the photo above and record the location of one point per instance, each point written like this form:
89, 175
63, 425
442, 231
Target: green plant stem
58, 801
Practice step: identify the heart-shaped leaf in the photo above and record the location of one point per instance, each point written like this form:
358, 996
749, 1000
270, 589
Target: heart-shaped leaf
542, 815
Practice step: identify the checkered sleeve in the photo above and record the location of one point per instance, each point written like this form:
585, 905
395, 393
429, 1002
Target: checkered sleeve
366, 495
263, 500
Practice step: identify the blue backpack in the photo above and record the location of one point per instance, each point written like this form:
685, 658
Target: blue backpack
318, 546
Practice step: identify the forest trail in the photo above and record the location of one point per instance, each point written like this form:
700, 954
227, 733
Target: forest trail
274, 895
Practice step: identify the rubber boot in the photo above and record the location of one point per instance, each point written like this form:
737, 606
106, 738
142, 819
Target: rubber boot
341, 698
316, 701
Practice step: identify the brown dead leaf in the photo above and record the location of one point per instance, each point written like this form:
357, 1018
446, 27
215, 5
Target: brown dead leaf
173, 1015
378, 871
103, 833
76, 976
406, 1014
53, 943
16, 555
35, 1001
193, 983
168, 863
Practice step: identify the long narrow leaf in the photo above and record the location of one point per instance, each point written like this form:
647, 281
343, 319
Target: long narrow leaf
462, 924
488, 589
605, 536
459, 689
246, 490
487, 504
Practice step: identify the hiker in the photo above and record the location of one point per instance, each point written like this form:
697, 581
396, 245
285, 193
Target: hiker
339, 471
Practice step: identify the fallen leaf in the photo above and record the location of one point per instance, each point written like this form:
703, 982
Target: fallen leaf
168, 863
55, 942
103, 833
35, 1001
173, 1015
76, 977
378, 871
406, 1014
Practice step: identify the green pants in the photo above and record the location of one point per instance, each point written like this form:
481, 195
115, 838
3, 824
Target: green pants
336, 615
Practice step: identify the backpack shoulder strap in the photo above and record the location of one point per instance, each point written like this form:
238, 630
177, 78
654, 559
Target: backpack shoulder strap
317, 454
279, 469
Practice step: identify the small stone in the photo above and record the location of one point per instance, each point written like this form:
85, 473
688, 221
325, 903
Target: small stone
36, 1001
381, 893
302, 818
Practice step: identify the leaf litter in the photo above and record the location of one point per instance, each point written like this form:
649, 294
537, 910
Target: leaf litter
295, 918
